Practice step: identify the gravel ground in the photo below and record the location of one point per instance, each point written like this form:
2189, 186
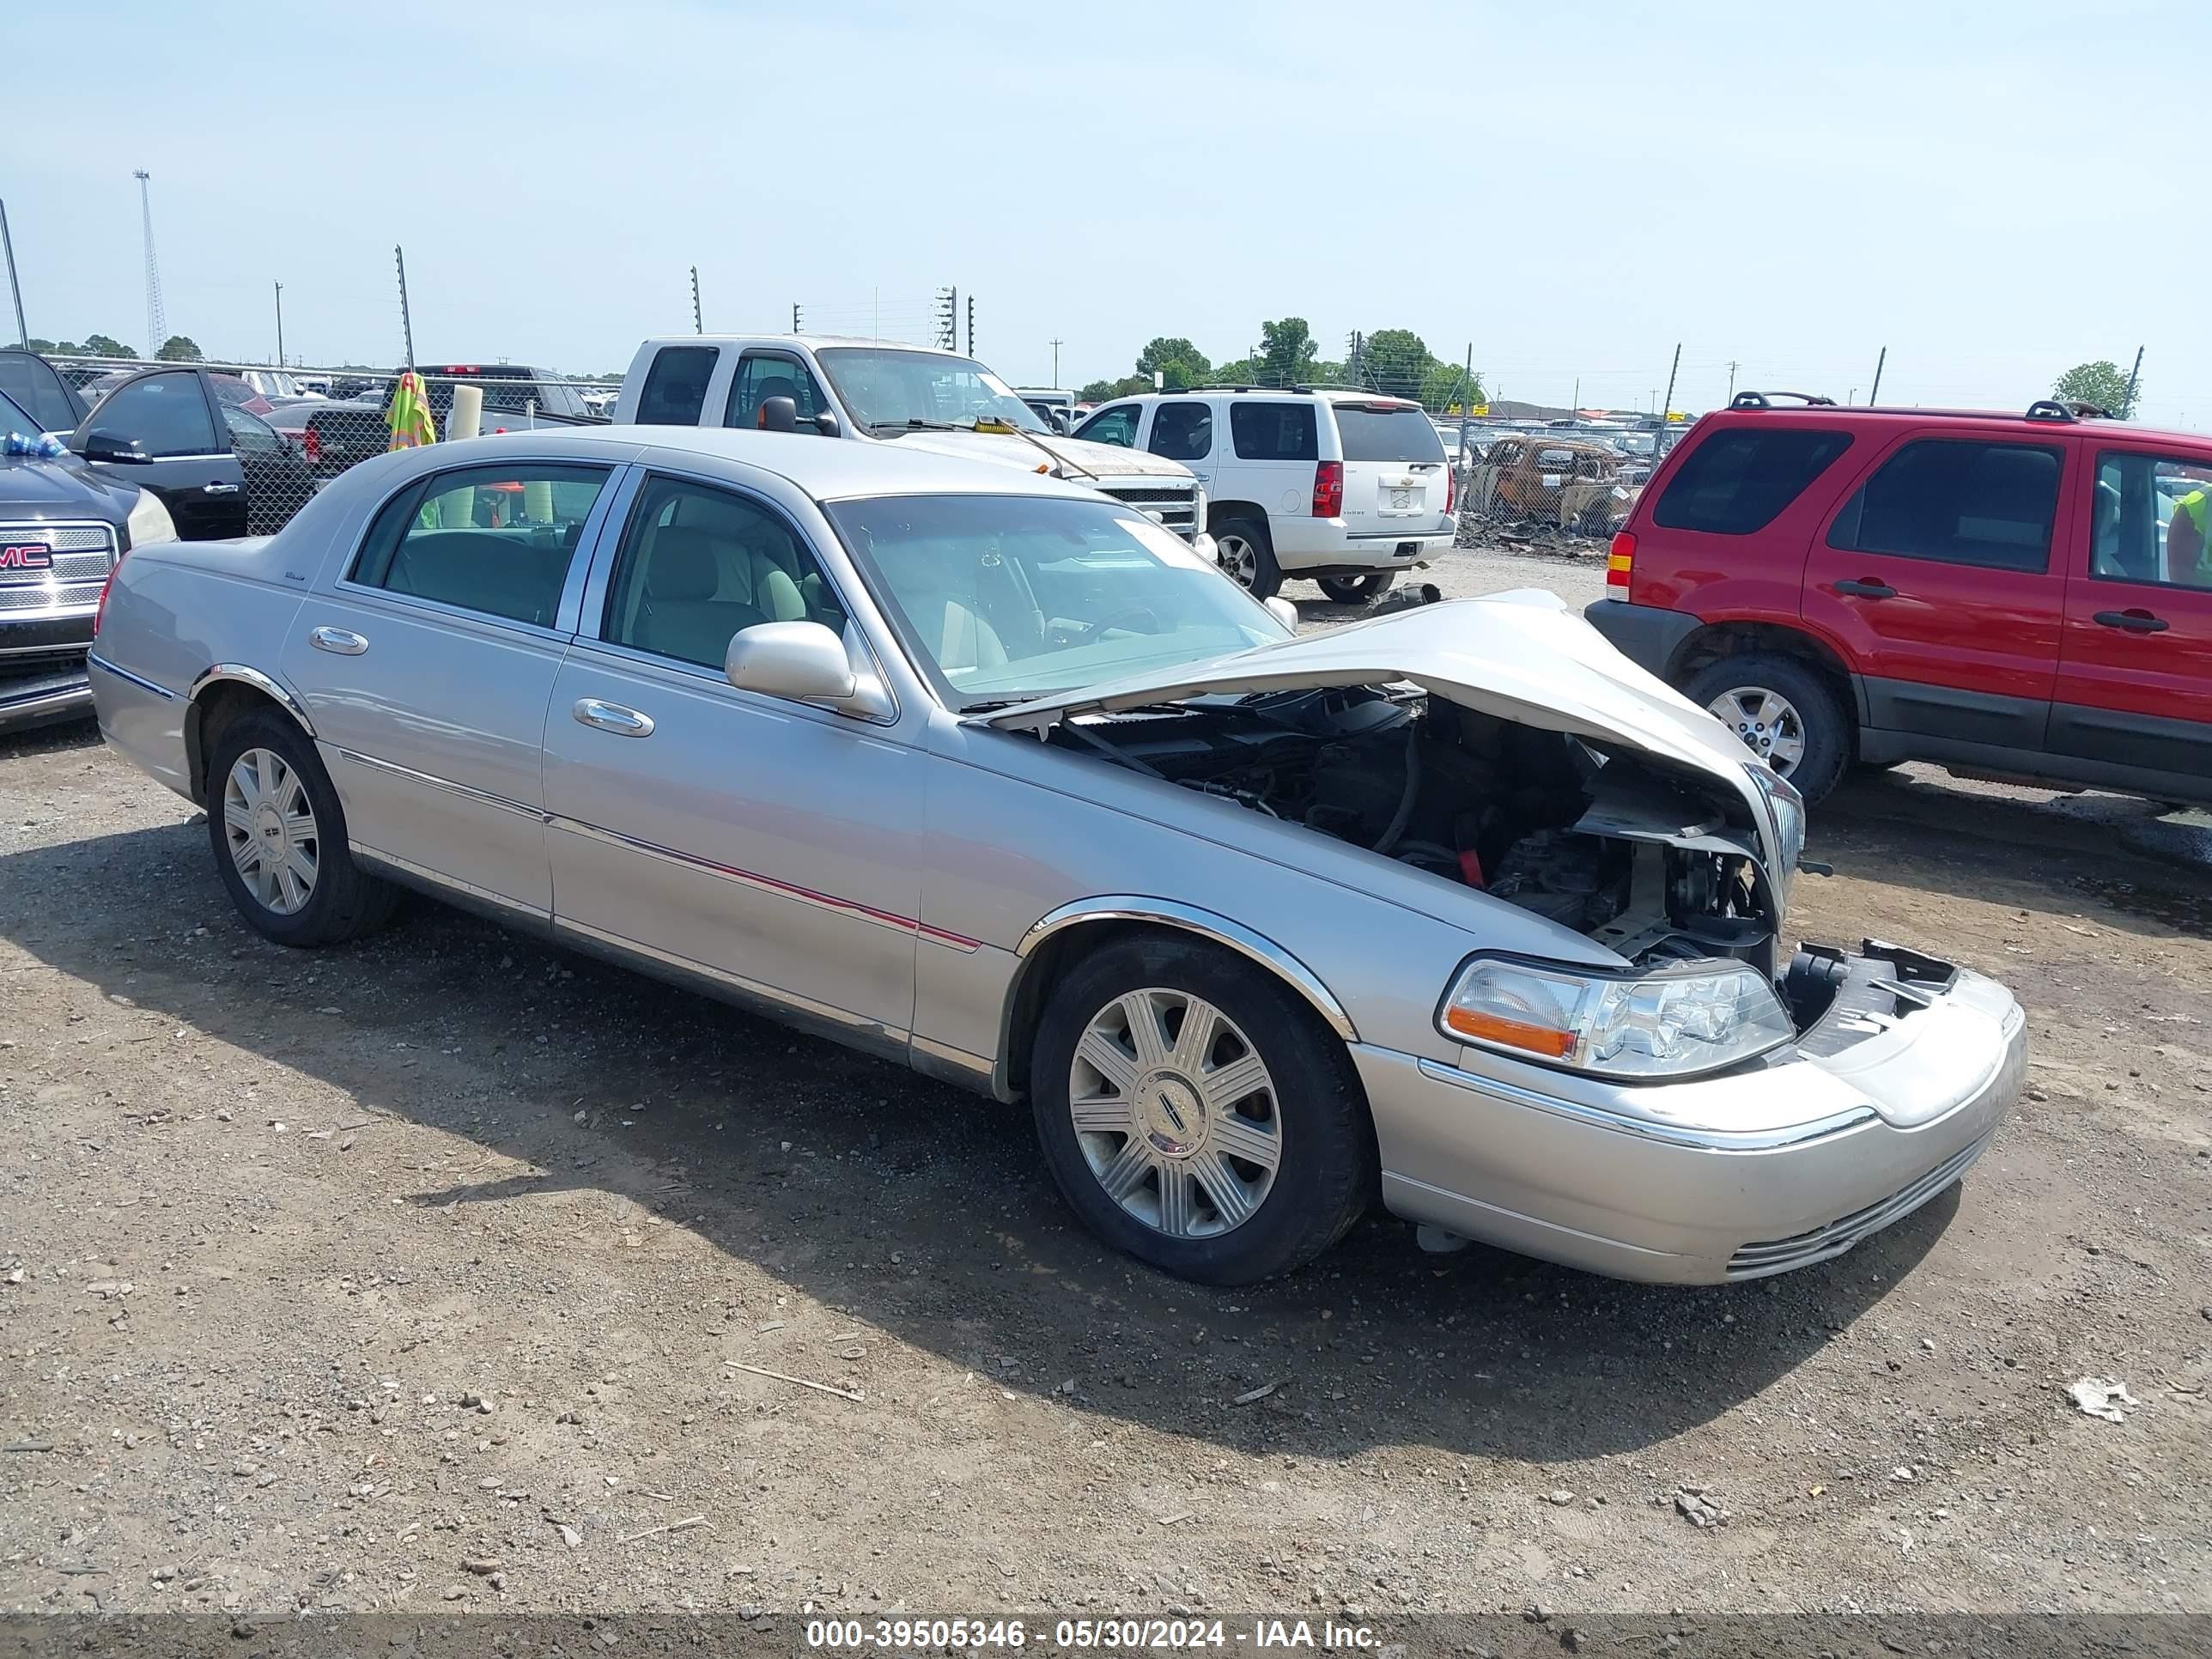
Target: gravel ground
448, 1272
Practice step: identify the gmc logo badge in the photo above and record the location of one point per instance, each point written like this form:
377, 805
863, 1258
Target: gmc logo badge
27, 556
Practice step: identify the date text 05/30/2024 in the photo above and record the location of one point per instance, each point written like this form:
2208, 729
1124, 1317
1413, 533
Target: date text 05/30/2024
1111, 1633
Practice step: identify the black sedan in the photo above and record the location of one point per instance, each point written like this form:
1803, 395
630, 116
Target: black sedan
218, 467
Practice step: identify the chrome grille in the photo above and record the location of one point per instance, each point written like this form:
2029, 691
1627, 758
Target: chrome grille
83, 553
1175, 505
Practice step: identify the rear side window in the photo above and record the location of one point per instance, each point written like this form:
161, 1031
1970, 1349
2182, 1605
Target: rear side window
1274, 432
1958, 500
1182, 432
676, 386
495, 539
1739, 480
1387, 434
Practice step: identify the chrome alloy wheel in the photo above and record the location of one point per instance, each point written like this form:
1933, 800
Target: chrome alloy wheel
1768, 723
1236, 555
1175, 1113
270, 824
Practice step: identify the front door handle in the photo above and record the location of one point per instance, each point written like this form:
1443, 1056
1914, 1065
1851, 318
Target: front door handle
613, 717
2136, 622
1870, 588
219, 489
343, 641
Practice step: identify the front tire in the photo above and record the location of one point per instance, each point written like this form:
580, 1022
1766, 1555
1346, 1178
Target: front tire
1196, 1114
1247, 553
279, 837
1783, 712
1357, 590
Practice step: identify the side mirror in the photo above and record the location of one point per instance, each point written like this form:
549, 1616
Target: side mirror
826, 424
107, 446
1282, 611
802, 661
777, 414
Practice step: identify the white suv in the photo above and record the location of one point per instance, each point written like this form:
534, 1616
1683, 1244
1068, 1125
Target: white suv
1344, 486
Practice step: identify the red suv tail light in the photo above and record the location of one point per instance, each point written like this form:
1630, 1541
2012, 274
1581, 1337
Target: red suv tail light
311, 445
1620, 564
99, 610
1328, 490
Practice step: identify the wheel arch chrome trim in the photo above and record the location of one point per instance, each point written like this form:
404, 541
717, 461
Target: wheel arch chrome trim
1184, 918
260, 682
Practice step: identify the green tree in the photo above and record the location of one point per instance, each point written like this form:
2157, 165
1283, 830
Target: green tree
2099, 383
102, 345
1446, 385
1128, 385
1180, 364
1395, 360
1286, 351
178, 349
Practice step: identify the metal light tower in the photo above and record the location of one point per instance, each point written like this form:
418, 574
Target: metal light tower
156, 325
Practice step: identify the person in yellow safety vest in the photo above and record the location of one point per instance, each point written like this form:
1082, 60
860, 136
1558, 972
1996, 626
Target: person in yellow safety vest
2189, 539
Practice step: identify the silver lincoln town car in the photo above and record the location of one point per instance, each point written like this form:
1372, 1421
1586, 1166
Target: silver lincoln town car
982, 771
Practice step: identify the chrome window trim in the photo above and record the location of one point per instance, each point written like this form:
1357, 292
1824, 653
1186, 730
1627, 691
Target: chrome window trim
572, 585
94, 659
1670, 1135
392, 768
259, 680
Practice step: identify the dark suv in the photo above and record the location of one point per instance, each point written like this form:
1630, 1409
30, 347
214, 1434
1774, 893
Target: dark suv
2027, 596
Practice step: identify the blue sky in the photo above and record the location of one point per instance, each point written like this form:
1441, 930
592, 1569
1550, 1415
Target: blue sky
1995, 192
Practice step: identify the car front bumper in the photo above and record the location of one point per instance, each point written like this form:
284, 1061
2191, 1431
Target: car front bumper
1638, 1182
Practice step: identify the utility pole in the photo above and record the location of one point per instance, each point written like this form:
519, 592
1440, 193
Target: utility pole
1732, 366
1055, 362
280, 324
1466, 398
1874, 392
697, 326
16, 288
156, 325
971, 333
1663, 409
1577, 407
406, 319
2127, 408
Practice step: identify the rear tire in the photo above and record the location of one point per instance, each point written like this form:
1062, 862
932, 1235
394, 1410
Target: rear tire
1247, 553
279, 837
1357, 590
1782, 708
1224, 1152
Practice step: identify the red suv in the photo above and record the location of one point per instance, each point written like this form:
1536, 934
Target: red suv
2027, 595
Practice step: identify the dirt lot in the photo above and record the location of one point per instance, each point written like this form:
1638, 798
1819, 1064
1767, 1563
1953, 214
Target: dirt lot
423, 1276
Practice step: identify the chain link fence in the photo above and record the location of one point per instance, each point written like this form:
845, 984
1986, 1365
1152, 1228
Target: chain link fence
268, 438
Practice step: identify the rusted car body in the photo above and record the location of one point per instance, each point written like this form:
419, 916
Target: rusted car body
1567, 481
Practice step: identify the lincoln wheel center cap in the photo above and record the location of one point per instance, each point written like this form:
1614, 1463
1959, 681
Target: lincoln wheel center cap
270, 823
1170, 1114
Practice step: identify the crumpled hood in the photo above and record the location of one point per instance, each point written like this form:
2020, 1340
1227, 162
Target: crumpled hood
1107, 460
1523, 656
66, 488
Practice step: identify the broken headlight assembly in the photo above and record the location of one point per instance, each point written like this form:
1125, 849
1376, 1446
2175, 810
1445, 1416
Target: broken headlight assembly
1680, 1021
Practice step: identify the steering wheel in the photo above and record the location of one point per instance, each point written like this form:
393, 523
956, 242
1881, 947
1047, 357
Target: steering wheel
1127, 613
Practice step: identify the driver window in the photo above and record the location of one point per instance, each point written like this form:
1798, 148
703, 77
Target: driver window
699, 565
760, 377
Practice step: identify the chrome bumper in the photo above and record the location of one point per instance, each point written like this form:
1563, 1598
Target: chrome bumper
44, 699
1591, 1177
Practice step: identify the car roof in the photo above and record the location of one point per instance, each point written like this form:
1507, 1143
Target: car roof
828, 469
800, 340
1328, 394
1888, 413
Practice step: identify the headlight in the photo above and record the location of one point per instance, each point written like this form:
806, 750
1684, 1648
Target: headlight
150, 521
1788, 807
1669, 1022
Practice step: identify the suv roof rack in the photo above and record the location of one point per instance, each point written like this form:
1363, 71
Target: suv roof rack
1765, 399
2053, 409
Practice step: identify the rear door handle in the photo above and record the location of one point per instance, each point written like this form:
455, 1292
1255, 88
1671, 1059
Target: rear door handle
613, 717
1871, 588
2136, 622
220, 488
343, 641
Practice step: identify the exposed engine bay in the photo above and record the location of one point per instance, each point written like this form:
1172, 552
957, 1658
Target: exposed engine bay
1654, 863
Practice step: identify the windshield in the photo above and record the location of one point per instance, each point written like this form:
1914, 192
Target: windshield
883, 387
1002, 598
